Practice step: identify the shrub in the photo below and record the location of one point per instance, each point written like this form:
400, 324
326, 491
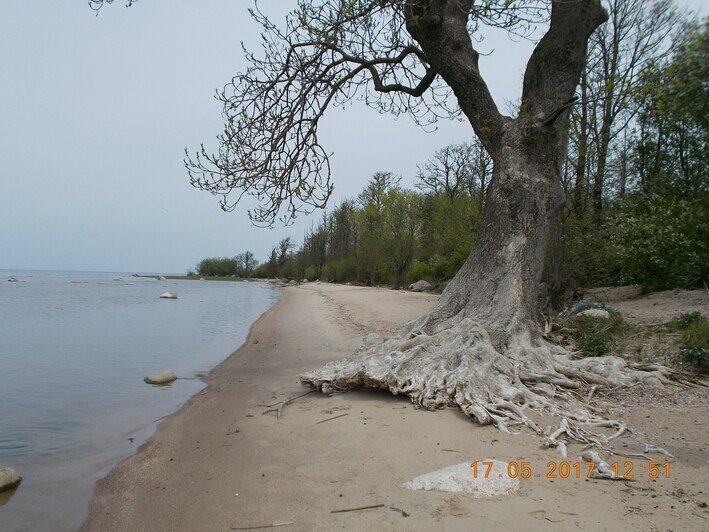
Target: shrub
694, 349
594, 337
310, 273
661, 243
419, 270
684, 321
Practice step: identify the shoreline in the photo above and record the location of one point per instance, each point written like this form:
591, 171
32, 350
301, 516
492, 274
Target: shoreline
222, 461
74, 365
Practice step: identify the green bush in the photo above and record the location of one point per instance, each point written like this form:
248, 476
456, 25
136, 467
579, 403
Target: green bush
684, 321
595, 337
261, 272
660, 243
695, 346
338, 271
310, 273
418, 270
437, 267
217, 267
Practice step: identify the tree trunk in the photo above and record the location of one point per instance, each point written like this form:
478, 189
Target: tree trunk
497, 285
599, 177
580, 184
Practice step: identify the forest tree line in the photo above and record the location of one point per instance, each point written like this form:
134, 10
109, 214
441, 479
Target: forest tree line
635, 179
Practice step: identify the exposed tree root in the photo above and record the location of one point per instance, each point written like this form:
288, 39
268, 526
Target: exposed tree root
509, 386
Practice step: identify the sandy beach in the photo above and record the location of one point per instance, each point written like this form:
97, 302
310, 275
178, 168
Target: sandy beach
222, 463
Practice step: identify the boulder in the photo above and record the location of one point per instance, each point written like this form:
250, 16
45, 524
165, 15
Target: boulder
421, 286
582, 305
166, 377
461, 478
9, 478
169, 295
596, 313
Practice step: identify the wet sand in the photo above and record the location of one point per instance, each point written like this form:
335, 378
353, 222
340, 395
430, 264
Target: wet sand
220, 462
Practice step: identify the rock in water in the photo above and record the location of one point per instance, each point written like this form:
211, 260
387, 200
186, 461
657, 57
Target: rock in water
420, 286
169, 295
9, 478
461, 478
166, 377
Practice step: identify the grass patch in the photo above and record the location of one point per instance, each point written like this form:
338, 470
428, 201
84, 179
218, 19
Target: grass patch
685, 321
694, 348
684, 341
594, 337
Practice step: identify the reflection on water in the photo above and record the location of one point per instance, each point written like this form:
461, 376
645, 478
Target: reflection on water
74, 348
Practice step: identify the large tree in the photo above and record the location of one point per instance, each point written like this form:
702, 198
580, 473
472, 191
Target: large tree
480, 346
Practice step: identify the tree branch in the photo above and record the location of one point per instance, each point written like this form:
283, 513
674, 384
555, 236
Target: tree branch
551, 118
555, 66
441, 29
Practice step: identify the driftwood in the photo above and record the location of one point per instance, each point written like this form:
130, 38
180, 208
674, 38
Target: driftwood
330, 418
357, 509
272, 525
282, 404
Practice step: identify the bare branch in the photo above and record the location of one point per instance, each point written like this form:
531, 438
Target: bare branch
328, 54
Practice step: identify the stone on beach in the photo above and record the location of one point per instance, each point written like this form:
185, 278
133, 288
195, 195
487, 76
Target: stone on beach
169, 295
420, 286
461, 478
596, 313
9, 478
166, 377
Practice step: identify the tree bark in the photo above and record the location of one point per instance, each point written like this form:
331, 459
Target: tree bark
582, 150
498, 283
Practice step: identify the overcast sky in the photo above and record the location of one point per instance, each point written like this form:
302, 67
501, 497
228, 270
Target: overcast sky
95, 113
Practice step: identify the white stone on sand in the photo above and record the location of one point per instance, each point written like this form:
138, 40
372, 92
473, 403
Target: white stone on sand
596, 313
461, 478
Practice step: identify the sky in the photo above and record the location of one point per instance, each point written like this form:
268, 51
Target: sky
95, 114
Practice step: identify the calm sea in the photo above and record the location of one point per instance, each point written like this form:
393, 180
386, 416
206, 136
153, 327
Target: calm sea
74, 348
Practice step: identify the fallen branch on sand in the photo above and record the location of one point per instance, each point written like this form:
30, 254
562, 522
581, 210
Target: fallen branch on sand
399, 510
279, 410
330, 419
358, 509
273, 525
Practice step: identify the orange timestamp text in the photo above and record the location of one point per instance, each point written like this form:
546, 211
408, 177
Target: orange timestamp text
569, 469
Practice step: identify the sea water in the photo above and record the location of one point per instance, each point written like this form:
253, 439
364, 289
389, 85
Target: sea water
74, 349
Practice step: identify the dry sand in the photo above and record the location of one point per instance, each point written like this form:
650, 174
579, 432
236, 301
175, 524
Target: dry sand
654, 308
220, 463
